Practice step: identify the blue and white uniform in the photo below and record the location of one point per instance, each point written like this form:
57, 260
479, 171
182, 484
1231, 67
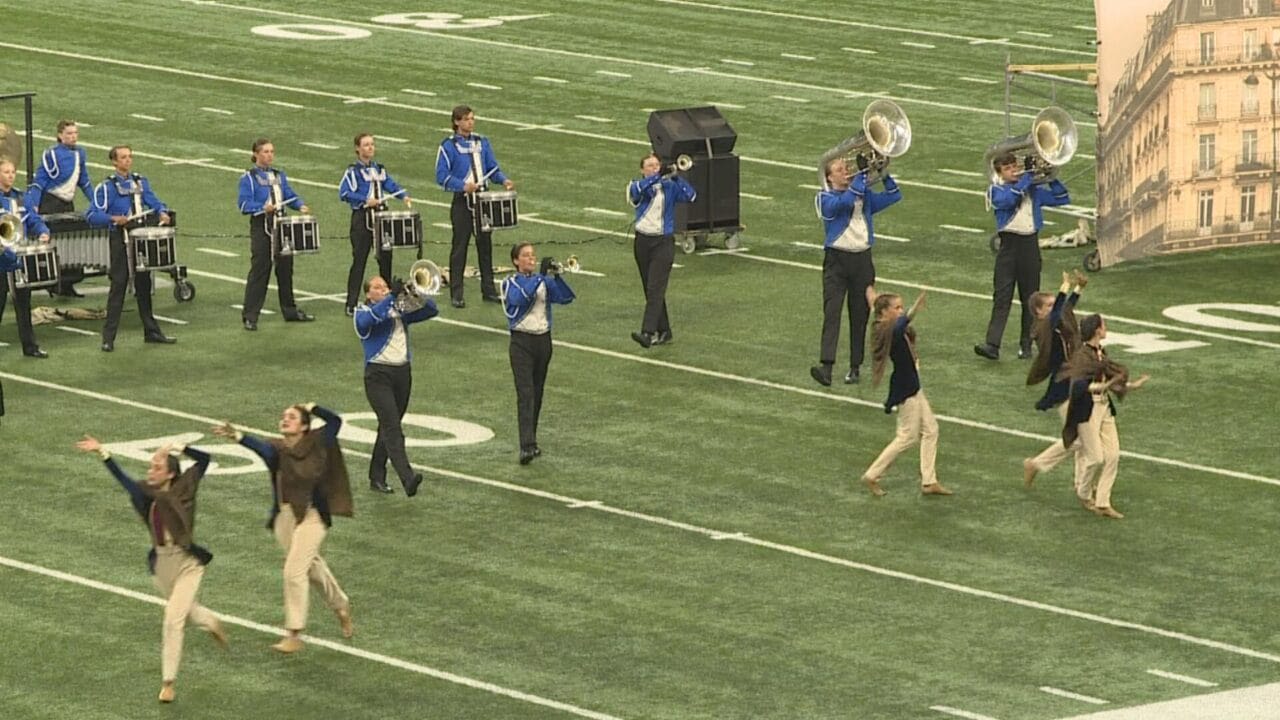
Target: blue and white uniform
458, 160
259, 186
528, 300
127, 195
361, 183
655, 199
61, 170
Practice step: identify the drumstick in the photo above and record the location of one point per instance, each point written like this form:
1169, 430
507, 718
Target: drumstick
144, 213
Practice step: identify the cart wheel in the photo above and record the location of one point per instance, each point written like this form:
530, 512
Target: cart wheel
688, 244
732, 241
995, 243
1092, 262
184, 291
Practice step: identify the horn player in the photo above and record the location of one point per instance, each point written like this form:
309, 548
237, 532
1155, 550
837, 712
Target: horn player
33, 227
654, 197
388, 378
1016, 201
846, 207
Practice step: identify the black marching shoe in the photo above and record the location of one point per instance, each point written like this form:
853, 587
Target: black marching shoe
108, 345
411, 485
537, 451
35, 352
350, 311
299, 316
990, 352
821, 373
492, 299
643, 338
851, 377
662, 338
458, 303
380, 486
527, 456
160, 338
250, 324
1024, 354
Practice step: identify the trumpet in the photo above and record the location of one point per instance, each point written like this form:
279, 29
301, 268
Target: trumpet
886, 134
683, 163
424, 282
572, 265
1050, 145
11, 230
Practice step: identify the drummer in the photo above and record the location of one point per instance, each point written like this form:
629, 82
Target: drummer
34, 229
263, 195
365, 186
464, 166
124, 201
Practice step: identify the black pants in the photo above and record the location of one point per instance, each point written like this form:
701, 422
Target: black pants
21, 309
387, 387
361, 243
530, 358
1017, 263
464, 226
67, 277
255, 289
654, 256
119, 274
845, 278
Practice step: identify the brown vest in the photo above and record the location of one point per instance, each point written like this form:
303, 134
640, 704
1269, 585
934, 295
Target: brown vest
309, 466
176, 505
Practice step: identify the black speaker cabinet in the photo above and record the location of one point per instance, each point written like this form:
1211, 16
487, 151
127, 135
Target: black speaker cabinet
716, 180
687, 131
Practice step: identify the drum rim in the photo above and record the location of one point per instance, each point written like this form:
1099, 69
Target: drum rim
296, 220
396, 214
35, 249
153, 231
497, 194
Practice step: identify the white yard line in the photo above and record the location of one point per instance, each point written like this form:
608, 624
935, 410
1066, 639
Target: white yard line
789, 98
411, 91
152, 118
283, 104
1254, 703
860, 51
558, 81
730, 535
1073, 696
866, 25
604, 211
743, 63
388, 138
980, 81
322, 146
965, 173
213, 251
914, 86
611, 73
753, 196
218, 111
175, 321
77, 331
1033, 33
955, 712
484, 86
594, 118
1182, 678
963, 228
794, 56
723, 104
339, 647
922, 46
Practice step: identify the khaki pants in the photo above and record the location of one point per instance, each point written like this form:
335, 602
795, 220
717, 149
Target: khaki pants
303, 564
1049, 458
915, 423
1099, 455
178, 576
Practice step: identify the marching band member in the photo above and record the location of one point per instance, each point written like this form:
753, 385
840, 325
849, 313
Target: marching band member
528, 308
309, 485
264, 194
34, 227
365, 187
1057, 334
895, 340
846, 208
1091, 416
388, 378
654, 197
464, 166
63, 168
166, 502
1016, 201
119, 201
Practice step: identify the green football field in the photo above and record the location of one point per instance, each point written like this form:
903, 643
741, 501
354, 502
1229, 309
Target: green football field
694, 543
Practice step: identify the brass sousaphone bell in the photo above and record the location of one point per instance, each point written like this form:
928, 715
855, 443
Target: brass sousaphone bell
1051, 143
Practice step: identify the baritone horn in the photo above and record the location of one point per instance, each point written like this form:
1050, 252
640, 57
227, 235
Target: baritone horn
886, 134
11, 231
1051, 144
424, 282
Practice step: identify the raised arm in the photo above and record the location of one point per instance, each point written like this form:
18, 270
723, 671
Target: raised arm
139, 500
332, 422
256, 444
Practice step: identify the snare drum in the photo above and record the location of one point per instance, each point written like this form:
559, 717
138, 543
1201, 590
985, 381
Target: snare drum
296, 235
39, 266
497, 210
398, 229
154, 248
